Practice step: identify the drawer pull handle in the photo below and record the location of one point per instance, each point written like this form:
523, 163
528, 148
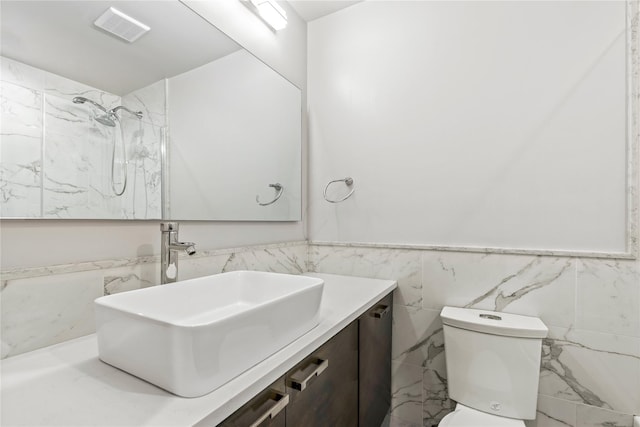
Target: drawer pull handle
380, 311
301, 384
281, 399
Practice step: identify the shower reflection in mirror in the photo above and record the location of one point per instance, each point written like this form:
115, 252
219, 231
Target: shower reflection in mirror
110, 118
70, 150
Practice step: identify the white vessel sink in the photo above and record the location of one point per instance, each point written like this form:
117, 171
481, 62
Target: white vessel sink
193, 336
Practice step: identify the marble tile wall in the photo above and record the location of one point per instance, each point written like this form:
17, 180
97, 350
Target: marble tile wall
144, 140
21, 147
590, 373
45, 306
76, 149
56, 159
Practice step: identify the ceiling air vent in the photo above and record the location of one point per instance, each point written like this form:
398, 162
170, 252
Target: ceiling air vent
121, 25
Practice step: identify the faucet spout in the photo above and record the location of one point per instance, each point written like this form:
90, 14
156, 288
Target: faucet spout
188, 247
170, 246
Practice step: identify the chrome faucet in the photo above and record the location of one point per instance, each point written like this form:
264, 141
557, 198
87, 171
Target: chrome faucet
170, 246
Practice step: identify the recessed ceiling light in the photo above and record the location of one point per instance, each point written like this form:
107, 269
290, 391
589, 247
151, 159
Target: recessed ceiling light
271, 12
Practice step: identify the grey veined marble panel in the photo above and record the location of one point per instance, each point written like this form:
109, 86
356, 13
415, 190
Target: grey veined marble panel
530, 285
588, 416
285, 259
78, 172
406, 392
608, 297
72, 142
554, 413
143, 197
41, 311
47, 305
380, 263
20, 151
592, 368
150, 100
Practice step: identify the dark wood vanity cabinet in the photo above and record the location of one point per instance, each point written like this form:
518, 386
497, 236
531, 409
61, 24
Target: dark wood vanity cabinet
344, 383
375, 363
267, 409
324, 388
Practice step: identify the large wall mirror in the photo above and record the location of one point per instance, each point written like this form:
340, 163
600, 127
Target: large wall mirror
180, 123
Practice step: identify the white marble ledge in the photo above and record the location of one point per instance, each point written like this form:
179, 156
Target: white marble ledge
21, 273
510, 251
67, 385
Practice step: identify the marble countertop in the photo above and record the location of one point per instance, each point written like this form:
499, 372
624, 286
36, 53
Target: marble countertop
67, 385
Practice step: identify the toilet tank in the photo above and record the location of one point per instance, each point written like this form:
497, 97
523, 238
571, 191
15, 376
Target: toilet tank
493, 360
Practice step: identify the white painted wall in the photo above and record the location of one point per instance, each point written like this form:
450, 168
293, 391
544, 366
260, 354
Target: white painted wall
285, 50
491, 124
25, 243
234, 129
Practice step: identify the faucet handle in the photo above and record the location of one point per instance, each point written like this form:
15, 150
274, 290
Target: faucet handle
169, 226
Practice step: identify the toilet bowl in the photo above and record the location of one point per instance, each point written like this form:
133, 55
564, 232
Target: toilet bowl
463, 416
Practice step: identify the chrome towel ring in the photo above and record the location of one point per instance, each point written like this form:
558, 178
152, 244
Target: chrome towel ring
279, 189
348, 181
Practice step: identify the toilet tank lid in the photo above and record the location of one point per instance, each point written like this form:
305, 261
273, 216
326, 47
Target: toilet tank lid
492, 322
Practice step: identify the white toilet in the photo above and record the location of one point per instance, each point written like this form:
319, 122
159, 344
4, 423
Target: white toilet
493, 366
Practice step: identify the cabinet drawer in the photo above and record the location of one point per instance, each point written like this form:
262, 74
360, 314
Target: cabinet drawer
323, 388
267, 409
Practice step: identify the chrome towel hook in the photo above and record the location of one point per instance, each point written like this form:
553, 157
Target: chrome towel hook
279, 189
348, 181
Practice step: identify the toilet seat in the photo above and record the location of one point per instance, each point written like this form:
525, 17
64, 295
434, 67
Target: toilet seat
463, 416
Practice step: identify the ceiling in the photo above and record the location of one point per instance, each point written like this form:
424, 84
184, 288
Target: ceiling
59, 37
314, 9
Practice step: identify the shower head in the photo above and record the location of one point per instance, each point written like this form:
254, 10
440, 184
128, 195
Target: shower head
82, 100
107, 119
